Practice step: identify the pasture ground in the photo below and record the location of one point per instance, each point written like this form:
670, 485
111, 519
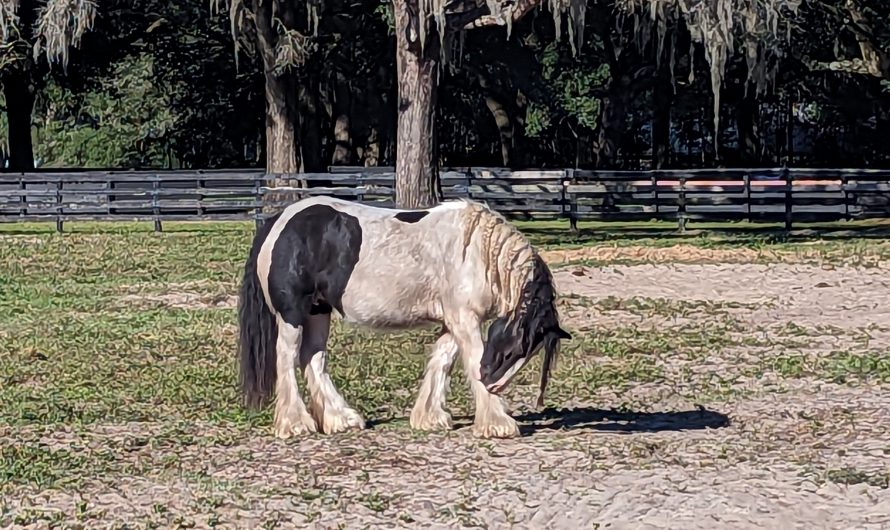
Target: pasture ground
734, 381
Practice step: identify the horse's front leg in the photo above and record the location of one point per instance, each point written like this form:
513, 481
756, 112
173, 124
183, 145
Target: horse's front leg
326, 404
429, 412
492, 419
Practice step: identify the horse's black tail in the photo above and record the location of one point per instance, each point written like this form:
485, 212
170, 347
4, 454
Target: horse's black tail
258, 330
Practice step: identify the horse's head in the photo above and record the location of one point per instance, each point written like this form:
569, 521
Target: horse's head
515, 338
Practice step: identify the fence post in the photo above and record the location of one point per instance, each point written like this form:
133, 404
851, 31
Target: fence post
788, 198
200, 194
845, 180
565, 207
655, 174
362, 187
258, 197
59, 222
681, 206
573, 204
155, 207
469, 174
23, 197
109, 195
748, 194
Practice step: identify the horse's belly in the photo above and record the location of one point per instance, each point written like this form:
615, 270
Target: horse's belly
387, 304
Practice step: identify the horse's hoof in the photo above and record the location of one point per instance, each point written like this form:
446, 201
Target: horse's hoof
288, 428
347, 420
501, 428
430, 420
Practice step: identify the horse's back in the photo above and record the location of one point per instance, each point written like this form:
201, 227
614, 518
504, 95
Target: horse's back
405, 259
375, 265
360, 209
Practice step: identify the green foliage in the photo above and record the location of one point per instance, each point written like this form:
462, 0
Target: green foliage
537, 119
385, 11
572, 90
218, 103
159, 89
578, 88
125, 122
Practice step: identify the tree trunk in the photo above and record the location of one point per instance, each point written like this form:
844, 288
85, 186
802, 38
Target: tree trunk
505, 127
371, 153
388, 122
343, 148
281, 117
342, 142
613, 122
310, 113
19, 94
747, 117
662, 99
418, 77
281, 104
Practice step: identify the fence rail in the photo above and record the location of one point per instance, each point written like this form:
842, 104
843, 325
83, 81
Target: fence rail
770, 195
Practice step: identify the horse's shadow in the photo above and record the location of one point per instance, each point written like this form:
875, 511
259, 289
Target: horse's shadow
588, 418
593, 419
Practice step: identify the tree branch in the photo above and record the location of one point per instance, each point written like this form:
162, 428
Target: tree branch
265, 33
849, 66
874, 61
459, 20
873, 56
485, 18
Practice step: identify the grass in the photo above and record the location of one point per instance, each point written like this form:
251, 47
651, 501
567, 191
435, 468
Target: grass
838, 366
90, 346
854, 237
76, 349
851, 476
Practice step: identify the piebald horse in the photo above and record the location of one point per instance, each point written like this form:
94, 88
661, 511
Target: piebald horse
458, 264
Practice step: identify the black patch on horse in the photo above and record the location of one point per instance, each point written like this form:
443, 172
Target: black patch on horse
411, 217
534, 324
312, 262
321, 308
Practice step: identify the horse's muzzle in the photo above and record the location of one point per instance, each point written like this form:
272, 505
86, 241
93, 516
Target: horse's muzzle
495, 388
486, 377
497, 378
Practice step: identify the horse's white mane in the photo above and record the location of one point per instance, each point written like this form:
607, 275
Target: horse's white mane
507, 255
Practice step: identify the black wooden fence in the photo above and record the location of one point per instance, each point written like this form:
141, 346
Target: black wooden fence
772, 195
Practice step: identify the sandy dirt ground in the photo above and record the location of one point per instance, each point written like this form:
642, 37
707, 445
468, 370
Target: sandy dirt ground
761, 457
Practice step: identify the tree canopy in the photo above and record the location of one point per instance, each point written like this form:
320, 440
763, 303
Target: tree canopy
637, 83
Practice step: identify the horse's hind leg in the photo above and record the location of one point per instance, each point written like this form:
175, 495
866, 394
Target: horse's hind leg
429, 411
492, 419
291, 416
328, 407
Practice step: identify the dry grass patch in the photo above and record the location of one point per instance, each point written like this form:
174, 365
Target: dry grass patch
874, 255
